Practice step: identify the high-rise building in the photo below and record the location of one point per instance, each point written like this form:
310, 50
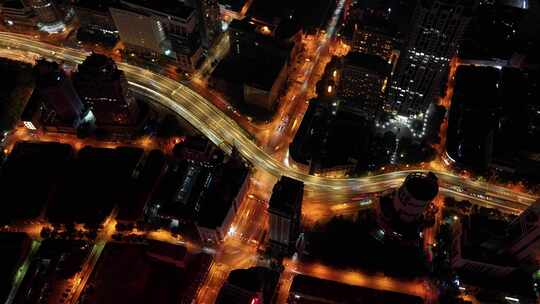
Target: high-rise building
46, 11
487, 245
412, 198
104, 89
141, 33
163, 28
478, 247
438, 25
524, 235
285, 214
372, 39
364, 79
56, 92
253, 49
472, 119
50, 17
253, 40
209, 19
95, 20
400, 213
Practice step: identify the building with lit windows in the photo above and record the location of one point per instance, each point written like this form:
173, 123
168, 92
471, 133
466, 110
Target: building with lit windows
414, 195
46, 11
364, 79
401, 212
160, 29
50, 17
104, 89
141, 33
372, 40
438, 26
95, 20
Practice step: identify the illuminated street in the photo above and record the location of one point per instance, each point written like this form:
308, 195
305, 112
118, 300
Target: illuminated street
265, 146
239, 250
270, 151
224, 132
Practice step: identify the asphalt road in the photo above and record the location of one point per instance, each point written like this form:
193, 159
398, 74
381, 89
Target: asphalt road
225, 132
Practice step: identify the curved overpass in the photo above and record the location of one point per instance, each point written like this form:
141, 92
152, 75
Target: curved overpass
226, 133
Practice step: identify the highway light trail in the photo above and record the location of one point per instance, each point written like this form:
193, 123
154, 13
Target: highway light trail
226, 133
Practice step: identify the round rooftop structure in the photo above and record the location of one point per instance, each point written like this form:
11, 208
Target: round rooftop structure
422, 186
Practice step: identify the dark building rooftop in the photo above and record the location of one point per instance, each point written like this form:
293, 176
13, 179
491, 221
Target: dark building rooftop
252, 33
165, 249
98, 179
475, 85
339, 150
170, 7
495, 32
494, 119
472, 118
286, 192
519, 115
369, 62
101, 5
225, 187
125, 274
257, 73
376, 23
271, 11
256, 58
13, 4
483, 236
98, 67
307, 14
198, 149
311, 290
199, 192
246, 279
182, 188
422, 186
375, 14
47, 73
131, 208
28, 178
253, 280
466, 3
324, 136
